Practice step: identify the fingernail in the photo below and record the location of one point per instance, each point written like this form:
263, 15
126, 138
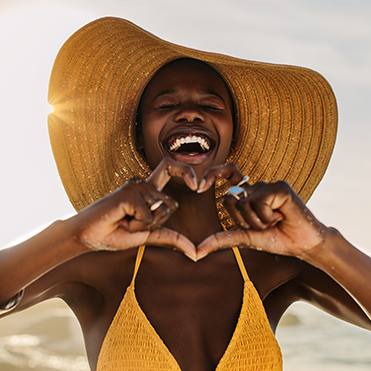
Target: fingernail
201, 255
194, 181
193, 258
202, 185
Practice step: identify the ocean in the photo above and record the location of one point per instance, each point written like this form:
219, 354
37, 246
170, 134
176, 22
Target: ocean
48, 337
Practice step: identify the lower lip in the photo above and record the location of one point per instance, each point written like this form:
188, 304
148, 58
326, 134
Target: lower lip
192, 158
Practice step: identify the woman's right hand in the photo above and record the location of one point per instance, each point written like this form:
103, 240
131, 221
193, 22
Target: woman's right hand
119, 221
124, 219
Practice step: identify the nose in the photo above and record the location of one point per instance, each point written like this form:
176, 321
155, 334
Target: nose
189, 113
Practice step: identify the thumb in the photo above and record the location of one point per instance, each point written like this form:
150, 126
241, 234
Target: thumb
169, 238
222, 240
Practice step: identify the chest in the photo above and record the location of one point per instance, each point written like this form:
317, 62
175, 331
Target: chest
193, 307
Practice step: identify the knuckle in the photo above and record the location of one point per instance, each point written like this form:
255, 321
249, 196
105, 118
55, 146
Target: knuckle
133, 180
172, 205
147, 217
166, 161
260, 184
229, 201
232, 166
284, 186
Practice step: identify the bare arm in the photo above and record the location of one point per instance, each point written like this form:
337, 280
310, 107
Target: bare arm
347, 266
23, 264
273, 218
119, 221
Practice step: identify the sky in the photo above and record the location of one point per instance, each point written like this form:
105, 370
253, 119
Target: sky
331, 37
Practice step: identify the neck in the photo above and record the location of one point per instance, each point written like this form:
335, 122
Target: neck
196, 217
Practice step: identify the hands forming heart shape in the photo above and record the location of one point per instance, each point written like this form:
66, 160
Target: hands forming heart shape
271, 217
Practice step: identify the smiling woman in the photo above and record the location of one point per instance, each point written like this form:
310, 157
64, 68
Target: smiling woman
193, 120
151, 267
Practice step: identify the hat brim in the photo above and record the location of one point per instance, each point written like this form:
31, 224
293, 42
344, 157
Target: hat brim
286, 115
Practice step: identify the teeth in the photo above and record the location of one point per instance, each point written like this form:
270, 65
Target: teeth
190, 139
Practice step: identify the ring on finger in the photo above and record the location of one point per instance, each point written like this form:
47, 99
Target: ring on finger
244, 180
238, 191
156, 205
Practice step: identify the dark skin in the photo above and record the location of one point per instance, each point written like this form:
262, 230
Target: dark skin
194, 306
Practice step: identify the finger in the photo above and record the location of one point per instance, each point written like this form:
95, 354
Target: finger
260, 205
159, 207
169, 238
222, 240
230, 203
251, 207
250, 215
234, 205
160, 237
227, 171
157, 200
169, 168
265, 213
160, 215
137, 215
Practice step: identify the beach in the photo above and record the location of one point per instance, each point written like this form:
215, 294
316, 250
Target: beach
313, 340
48, 337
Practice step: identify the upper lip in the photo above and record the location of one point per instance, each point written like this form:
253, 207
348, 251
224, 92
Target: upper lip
207, 142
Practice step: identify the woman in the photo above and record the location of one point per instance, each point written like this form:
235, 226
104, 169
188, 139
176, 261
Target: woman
171, 122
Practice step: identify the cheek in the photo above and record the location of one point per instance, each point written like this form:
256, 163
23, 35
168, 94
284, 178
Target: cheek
226, 139
228, 130
150, 143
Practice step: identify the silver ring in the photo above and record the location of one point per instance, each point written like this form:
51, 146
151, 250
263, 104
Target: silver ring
244, 180
156, 205
238, 191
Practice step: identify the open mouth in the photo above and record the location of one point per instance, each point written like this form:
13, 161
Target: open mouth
189, 144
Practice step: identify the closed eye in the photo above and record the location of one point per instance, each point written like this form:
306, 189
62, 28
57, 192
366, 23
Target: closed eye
165, 105
212, 102
213, 107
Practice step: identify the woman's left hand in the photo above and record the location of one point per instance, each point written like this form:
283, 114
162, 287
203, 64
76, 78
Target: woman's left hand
269, 217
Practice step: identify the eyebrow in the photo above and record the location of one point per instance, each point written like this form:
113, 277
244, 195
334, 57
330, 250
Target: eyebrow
164, 92
202, 91
211, 92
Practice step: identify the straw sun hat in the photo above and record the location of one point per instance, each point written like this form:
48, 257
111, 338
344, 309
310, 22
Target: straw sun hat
286, 115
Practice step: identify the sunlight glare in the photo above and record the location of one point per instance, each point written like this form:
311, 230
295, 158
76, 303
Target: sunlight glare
48, 108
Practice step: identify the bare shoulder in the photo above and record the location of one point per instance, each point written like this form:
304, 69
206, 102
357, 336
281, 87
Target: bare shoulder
275, 279
87, 281
281, 281
269, 271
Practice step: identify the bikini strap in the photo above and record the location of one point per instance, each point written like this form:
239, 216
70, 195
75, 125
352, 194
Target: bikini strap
240, 263
137, 263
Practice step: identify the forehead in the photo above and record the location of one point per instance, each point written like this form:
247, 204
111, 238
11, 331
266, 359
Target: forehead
188, 74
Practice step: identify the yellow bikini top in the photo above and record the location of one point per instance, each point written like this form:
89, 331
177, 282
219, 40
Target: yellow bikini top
132, 343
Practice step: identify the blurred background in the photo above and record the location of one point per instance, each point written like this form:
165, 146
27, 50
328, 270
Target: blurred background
330, 36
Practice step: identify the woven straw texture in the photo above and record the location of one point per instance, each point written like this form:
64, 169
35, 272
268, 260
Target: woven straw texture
131, 342
286, 116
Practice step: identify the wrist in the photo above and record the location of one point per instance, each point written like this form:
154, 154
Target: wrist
324, 254
69, 230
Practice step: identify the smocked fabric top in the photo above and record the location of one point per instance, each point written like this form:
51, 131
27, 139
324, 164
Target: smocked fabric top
132, 343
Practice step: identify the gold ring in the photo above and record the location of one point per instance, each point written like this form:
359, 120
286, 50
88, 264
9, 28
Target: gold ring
156, 205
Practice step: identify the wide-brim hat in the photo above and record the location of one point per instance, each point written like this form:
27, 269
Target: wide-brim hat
286, 115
